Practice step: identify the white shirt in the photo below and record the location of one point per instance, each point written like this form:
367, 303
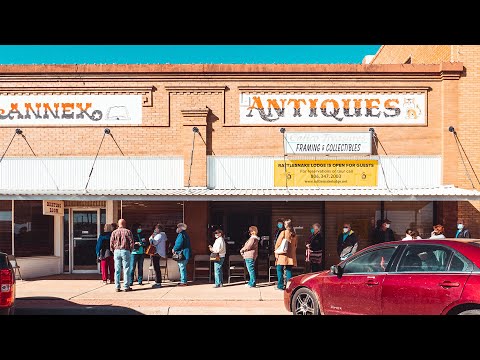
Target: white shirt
435, 236
409, 237
159, 241
219, 247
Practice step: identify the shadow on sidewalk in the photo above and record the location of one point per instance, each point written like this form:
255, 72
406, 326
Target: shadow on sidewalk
57, 306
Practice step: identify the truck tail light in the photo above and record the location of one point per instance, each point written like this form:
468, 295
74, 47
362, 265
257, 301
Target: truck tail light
6, 288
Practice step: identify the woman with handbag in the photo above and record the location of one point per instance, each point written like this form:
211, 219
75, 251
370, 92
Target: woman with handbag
181, 252
158, 240
138, 254
315, 245
286, 254
249, 251
105, 255
218, 251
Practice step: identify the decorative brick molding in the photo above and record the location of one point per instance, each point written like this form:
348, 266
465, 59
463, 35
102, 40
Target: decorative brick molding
196, 89
195, 117
336, 89
146, 91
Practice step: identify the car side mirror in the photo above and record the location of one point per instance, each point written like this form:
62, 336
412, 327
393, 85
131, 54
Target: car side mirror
334, 269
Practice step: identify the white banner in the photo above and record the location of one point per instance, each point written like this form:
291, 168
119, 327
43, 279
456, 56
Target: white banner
53, 207
70, 109
359, 143
333, 109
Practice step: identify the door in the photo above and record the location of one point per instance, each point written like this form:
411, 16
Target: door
359, 289
425, 281
85, 228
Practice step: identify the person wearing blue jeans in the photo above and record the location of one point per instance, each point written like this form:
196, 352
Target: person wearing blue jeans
138, 254
121, 243
182, 243
288, 275
122, 258
249, 252
286, 259
220, 249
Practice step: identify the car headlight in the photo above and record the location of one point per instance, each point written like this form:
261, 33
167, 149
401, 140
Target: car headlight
288, 284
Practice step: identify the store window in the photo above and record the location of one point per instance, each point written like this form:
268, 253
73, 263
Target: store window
6, 226
150, 213
66, 240
415, 215
33, 231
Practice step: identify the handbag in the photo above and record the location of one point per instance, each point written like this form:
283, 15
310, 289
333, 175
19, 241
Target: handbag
282, 249
151, 250
214, 257
178, 256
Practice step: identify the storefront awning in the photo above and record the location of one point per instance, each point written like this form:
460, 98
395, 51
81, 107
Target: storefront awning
439, 193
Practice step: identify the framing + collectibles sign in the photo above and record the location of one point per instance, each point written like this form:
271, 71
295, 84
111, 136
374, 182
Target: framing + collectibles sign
359, 143
333, 109
326, 173
70, 109
53, 207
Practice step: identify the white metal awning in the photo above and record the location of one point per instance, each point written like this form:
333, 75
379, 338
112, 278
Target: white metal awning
438, 193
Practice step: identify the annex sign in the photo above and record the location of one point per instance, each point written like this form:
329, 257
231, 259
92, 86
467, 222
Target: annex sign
359, 143
300, 173
70, 110
333, 109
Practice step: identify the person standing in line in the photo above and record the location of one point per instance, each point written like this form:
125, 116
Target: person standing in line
438, 232
138, 254
182, 243
278, 231
346, 240
285, 262
105, 255
114, 226
411, 235
249, 251
220, 248
462, 231
315, 244
159, 240
384, 233
121, 244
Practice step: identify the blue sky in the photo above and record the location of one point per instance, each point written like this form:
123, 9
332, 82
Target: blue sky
183, 54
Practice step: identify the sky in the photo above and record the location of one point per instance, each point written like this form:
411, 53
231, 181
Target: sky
185, 54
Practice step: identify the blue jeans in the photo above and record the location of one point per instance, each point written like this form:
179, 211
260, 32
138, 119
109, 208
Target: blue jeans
288, 273
251, 271
182, 267
134, 260
122, 258
217, 266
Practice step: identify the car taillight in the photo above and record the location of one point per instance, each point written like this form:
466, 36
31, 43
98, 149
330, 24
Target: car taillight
6, 287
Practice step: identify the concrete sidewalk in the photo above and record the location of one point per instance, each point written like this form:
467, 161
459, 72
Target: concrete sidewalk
88, 292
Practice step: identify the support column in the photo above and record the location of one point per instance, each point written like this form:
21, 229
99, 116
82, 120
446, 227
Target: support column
198, 174
196, 218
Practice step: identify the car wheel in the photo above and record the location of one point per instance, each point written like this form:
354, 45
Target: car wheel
304, 303
470, 312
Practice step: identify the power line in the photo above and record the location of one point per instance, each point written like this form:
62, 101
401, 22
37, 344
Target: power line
463, 161
394, 167
195, 131
17, 131
98, 151
466, 156
381, 165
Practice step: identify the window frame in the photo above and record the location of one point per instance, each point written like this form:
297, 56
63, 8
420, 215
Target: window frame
453, 252
356, 256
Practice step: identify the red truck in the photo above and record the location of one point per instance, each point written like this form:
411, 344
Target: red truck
7, 286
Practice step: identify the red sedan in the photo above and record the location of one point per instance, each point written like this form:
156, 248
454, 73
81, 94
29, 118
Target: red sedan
415, 277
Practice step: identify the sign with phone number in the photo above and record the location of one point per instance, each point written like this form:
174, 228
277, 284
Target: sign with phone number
333, 173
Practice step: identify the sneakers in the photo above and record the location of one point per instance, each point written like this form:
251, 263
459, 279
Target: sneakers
182, 284
218, 286
128, 289
157, 285
277, 288
249, 286
117, 290
140, 283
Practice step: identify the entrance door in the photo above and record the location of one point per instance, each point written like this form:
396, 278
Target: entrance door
85, 228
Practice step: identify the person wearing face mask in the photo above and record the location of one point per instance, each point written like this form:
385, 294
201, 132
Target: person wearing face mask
347, 242
159, 240
315, 244
384, 233
138, 254
182, 244
280, 227
437, 232
462, 231
220, 248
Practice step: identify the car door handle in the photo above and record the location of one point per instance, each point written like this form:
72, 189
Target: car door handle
449, 284
371, 283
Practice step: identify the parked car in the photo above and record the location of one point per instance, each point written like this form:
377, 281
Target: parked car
7, 286
415, 277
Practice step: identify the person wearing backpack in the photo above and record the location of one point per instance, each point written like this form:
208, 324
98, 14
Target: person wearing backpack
105, 255
286, 260
182, 248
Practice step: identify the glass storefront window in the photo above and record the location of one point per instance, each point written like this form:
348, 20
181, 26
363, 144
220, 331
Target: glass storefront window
33, 231
415, 215
66, 241
6, 226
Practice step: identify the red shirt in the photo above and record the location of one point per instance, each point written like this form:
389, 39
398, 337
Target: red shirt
121, 239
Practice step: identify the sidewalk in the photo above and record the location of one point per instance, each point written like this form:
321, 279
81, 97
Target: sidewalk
87, 291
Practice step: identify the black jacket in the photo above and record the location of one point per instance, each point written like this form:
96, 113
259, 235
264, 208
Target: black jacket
465, 233
316, 241
383, 236
349, 241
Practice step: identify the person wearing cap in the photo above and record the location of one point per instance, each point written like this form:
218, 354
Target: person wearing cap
462, 231
384, 233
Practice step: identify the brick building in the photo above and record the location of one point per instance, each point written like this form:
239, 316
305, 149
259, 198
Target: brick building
203, 144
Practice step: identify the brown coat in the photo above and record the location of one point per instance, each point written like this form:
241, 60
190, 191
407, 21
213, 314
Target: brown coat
250, 249
290, 258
